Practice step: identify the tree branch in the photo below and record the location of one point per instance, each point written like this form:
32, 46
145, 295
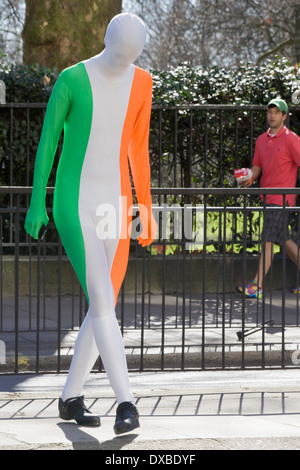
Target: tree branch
287, 42
12, 6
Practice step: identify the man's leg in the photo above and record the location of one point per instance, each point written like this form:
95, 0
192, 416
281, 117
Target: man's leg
265, 261
292, 252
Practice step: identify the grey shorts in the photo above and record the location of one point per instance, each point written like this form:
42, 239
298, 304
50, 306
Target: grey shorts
276, 224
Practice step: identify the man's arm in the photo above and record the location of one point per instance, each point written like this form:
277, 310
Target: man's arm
256, 171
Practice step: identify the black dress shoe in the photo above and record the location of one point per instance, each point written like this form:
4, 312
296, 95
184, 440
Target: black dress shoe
127, 418
74, 408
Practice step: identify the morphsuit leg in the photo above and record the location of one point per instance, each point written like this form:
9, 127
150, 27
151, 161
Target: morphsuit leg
100, 333
84, 358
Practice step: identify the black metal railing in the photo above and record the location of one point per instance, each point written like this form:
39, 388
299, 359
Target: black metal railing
190, 145
178, 307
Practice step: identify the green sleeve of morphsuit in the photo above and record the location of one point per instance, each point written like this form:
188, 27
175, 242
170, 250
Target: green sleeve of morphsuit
56, 112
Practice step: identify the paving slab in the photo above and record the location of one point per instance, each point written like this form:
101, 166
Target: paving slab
187, 411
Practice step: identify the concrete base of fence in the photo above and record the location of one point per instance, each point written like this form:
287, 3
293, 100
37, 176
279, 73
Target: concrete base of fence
171, 361
172, 274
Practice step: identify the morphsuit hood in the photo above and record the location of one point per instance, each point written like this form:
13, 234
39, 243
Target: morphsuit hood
125, 38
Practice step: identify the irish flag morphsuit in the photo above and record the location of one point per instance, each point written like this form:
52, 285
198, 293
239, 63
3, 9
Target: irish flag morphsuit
106, 130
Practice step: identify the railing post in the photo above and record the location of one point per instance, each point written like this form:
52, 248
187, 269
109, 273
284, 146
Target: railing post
17, 254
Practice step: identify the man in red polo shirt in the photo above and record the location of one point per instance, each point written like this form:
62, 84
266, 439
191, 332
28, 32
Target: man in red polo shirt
276, 160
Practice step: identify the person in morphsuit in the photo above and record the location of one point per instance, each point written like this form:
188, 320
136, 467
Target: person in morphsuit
104, 105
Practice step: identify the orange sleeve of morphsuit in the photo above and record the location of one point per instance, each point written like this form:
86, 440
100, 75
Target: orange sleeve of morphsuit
140, 167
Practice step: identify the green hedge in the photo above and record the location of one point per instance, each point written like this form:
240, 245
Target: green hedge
247, 84
210, 164
28, 83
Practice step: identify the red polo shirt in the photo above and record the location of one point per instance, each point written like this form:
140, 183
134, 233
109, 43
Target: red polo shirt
279, 158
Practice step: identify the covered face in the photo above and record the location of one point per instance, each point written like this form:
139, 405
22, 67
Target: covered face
125, 37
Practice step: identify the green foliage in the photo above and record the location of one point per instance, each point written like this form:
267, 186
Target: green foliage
187, 148
248, 84
210, 142
20, 128
28, 84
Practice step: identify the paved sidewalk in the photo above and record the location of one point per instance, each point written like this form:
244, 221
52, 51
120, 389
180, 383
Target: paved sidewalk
192, 410
182, 411
223, 319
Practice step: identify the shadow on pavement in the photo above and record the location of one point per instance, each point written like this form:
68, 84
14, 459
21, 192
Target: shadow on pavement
81, 439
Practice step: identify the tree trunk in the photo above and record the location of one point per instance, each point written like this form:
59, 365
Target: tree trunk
297, 34
61, 33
